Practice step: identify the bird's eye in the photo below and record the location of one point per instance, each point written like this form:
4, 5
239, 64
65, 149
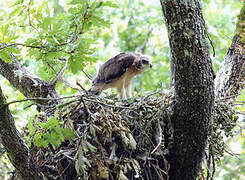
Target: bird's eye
145, 61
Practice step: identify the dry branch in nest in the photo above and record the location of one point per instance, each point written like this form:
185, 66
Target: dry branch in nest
117, 139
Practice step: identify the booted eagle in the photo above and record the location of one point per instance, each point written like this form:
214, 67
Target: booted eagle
118, 73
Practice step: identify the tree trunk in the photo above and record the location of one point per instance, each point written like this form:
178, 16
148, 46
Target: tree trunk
27, 83
193, 84
17, 150
230, 79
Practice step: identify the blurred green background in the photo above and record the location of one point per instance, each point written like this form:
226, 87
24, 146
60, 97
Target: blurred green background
98, 30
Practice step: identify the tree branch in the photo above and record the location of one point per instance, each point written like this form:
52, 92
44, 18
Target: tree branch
142, 48
39, 99
17, 151
60, 74
28, 84
230, 78
193, 84
20, 44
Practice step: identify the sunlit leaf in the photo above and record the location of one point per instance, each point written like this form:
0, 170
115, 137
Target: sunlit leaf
110, 4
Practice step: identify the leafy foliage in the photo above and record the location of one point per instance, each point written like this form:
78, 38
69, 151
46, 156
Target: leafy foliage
49, 132
89, 32
232, 167
50, 34
221, 25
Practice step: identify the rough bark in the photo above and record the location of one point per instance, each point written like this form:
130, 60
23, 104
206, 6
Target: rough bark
27, 83
15, 147
193, 84
171, 73
230, 78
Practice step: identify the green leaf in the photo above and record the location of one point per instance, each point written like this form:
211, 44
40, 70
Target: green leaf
98, 21
31, 128
51, 56
96, 4
5, 55
15, 11
47, 21
39, 141
76, 64
72, 11
13, 49
51, 123
69, 134
29, 41
241, 97
110, 4
18, 2
56, 137
4, 29
73, 2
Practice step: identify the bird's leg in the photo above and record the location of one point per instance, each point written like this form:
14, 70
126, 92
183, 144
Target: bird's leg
128, 91
121, 91
127, 86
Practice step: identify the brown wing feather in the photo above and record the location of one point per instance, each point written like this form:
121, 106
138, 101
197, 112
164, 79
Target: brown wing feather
115, 67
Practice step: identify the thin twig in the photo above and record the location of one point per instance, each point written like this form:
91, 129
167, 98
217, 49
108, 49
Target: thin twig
88, 76
113, 106
37, 99
230, 38
32, 104
30, 46
85, 106
60, 74
62, 80
207, 156
240, 112
211, 43
45, 46
227, 97
86, 92
20, 44
214, 166
233, 154
29, 17
160, 137
142, 48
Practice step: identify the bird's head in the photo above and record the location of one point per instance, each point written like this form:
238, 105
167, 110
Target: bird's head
144, 62
96, 88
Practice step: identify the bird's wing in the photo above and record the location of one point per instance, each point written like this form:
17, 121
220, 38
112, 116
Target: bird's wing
115, 67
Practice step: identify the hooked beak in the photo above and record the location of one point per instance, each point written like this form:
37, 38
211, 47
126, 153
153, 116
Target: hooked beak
94, 92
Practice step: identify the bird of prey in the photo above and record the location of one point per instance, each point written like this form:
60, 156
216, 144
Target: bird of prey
118, 73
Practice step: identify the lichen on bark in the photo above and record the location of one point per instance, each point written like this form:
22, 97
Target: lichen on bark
229, 81
193, 84
17, 150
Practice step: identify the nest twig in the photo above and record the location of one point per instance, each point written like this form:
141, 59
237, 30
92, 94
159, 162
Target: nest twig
122, 139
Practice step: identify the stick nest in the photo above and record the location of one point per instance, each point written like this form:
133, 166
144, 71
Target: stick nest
120, 139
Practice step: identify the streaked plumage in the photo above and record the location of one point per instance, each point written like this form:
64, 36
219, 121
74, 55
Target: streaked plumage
118, 72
